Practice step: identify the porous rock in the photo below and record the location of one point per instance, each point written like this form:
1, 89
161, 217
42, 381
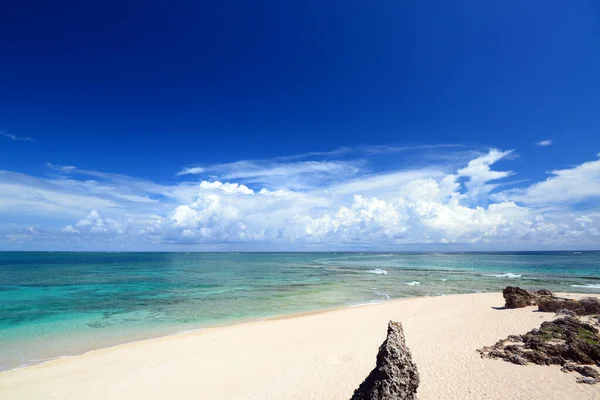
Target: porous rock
585, 306
395, 376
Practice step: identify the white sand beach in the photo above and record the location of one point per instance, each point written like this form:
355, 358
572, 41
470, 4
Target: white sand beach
316, 356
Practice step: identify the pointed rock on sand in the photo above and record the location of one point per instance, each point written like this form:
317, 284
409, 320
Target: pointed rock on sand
395, 376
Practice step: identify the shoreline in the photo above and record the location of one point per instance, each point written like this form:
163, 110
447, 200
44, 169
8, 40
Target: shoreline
224, 324
253, 320
321, 354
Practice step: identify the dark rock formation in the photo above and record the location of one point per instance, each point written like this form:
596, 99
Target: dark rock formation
587, 379
586, 306
565, 341
515, 297
583, 370
566, 313
395, 375
544, 292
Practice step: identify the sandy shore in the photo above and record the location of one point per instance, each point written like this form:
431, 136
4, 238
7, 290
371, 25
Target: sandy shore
318, 356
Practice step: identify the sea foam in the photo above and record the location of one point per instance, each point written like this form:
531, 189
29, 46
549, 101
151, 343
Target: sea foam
413, 283
378, 271
509, 275
589, 286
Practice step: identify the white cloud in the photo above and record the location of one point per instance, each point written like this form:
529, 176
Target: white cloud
544, 143
15, 137
479, 173
299, 204
191, 171
61, 168
564, 187
93, 223
225, 187
277, 175
420, 206
69, 229
365, 220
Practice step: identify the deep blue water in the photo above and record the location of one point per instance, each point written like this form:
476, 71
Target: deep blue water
54, 304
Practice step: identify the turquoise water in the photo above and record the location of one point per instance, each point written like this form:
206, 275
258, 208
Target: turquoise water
54, 304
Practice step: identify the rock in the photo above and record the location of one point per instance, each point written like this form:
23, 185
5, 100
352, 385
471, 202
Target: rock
583, 370
567, 313
544, 292
515, 297
395, 376
589, 372
568, 367
564, 341
586, 379
586, 306
516, 359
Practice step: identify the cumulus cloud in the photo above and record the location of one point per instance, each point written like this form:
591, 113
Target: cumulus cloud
226, 187
421, 206
344, 204
544, 143
93, 223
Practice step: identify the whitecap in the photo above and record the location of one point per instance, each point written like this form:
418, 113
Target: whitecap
509, 275
444, 279
588, 286
378, 271
412, 283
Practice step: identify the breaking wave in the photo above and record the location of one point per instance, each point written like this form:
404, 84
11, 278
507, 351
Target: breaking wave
588, 286
509, 276
378, 271
413, 283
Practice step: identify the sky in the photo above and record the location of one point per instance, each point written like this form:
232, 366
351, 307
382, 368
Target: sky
307, 126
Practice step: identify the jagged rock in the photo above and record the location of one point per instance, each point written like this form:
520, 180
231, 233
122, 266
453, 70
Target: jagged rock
395, 376
586, 306
565, 341
515, 297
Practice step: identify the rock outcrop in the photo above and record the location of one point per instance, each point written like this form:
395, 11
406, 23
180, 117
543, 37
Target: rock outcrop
544, 292
395, 376
566, 341
515, 297
586, 306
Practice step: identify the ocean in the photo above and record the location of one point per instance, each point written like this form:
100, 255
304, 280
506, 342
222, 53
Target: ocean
61, 304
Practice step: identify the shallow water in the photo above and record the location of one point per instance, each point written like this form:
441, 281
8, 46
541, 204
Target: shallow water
54, 304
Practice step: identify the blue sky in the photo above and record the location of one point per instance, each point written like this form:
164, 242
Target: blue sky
312, 126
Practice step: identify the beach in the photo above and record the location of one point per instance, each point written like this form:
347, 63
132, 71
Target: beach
323, 355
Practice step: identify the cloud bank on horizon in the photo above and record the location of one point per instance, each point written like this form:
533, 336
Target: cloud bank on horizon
448, 197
